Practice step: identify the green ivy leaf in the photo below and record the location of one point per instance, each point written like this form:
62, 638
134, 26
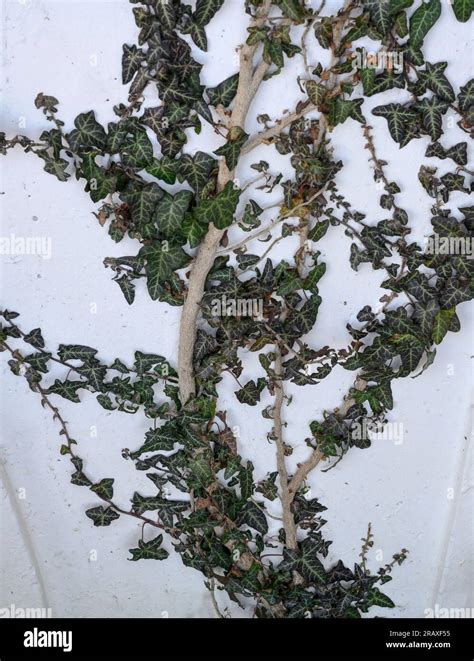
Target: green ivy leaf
441, 324
380, 11
169, 213
101, 516
205, 10
432, 111
231, 150
87, 134
132, 59
104, 488
149, 550
435, 80
398, 117
463, 9
196, 170
127, 288
253, 517
219, 210
66, 389
423, 20
161, 260
224, 93
137, 150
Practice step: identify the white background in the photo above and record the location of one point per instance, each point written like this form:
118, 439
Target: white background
417, 494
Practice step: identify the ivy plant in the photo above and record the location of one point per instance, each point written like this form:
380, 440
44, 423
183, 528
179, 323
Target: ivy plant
204, 501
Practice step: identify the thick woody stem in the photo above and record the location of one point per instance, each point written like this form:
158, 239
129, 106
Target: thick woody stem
286, 497
247, 88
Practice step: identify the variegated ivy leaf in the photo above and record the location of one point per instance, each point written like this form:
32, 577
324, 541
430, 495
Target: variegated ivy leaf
205, 10
317, 91
99, 182
150, 550
161, 260
132, 59
170, 211
219, 210
380, 14
466, 96
423, 20
102, 516
142, 201
341, 109
104, 489
165, 168
398, 118
166, 14
291, 9
137, 150
435, 80
463, 9
196, 170
54, 166
305, 561
87, 134
432, 111
236, 138
441, 324
76, 352
127, 288
224, 93
253, 516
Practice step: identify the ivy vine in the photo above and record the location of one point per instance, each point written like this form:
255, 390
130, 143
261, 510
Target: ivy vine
178, 206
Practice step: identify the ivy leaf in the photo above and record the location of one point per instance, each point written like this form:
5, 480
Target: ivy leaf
250, 393
398, 5
377, 598
198, 35
201, 469
163, 438
196, 170
224, 93
35, 338
88, 133
161, 259
305, 561
66, 389
425, 315
127, 288
441, 324
137, 150
165, 169
435, 80
94, 374
454, 293
317, 91
379, 11
342, 109
319, 230
131, 61
144, 362
205, 10
253, 517
219, 210
39, 361
54, 166
230, 151
432, 111
76, 352
423, 20
142, 201
463, 9
99, 183
466, 96
290, 9
101, 516
149, 550
104, 488
169, 213
398, 117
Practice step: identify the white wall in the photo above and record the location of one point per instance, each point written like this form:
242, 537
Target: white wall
72, 50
